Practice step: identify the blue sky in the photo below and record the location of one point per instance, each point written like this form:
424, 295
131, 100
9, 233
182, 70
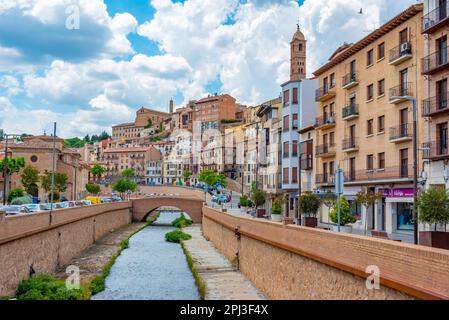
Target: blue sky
128, 54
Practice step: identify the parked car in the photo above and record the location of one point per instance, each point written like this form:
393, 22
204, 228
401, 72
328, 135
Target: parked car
87, 202
94, 200
33, 207
45, 206
63, 205
14, 210
106, 200
63, 199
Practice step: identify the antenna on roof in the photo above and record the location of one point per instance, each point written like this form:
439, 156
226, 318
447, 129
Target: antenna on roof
361, 11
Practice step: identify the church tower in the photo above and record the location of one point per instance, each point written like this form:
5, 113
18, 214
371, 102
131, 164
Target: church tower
298, 56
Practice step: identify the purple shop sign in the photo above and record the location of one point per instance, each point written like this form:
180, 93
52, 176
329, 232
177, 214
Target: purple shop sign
397, 193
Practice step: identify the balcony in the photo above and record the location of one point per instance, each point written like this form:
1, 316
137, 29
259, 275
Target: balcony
401, 133
436, 150
400, 53
325, 122
325, 150
350, 145
435, 106
324, 94
350, 112
306, 162
398, 93
325, 179
435, 19
385, 174
435, 62
350, 80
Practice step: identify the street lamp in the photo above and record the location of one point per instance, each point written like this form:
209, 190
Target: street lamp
415, 166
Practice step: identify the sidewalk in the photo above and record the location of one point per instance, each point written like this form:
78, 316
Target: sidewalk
223, 281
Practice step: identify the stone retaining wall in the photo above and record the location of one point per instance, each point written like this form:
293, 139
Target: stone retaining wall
293, 262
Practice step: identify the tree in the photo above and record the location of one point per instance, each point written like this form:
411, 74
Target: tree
93, 188
124, 185
14, 165
103, 136
346, 216
257, 195
15, 193
367, 199
186, 174
29, 179
149, 124
60, 183
309, 204
87, 138
128, 173
97, 171
433, 206
276, 206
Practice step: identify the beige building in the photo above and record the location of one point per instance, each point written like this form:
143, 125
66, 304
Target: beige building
365, 127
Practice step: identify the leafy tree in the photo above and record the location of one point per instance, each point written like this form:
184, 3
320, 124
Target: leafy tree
346, 216
186, 174
276, 206
15, 193
123, 185
257, 195
74, 143
243, 201
103, 136
22, 200
309, 204
128, 173
87, 138
60, 182
433, 206
97, 171
367, 199
149, 124
29, 179
14, 164
93, 188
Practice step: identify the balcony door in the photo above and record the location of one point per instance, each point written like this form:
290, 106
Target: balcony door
351, 169
325, 85
442, 138
443, 9
442, 50
352, 70
403, 122
403, 82
403, 36
403, 162
352, 136
441, 87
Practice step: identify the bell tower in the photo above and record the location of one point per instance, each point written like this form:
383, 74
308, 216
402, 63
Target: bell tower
298, 56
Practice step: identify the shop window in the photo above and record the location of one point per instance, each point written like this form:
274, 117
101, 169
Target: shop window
404, 216
356, 209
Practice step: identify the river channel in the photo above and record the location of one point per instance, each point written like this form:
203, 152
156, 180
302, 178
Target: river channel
151, 268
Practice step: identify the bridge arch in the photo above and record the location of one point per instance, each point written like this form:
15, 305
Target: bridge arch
142, 208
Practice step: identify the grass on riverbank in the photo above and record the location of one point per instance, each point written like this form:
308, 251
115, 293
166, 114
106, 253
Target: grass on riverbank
199, 282
177, 236
46, 287
181, 222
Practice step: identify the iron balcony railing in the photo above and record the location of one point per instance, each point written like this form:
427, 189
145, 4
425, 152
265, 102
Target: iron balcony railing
324, 149
401, 90
306, 162
435, 149
325, 178
401, 50
322, 92
351, 110
351, 77
388, 173
435, 17
404, 130
435, 61
350, 143
326, 119
435, 105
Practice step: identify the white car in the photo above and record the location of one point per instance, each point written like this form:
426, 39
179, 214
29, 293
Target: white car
34, 207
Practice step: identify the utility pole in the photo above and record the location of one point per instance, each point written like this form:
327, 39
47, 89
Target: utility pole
6, 137
53, 173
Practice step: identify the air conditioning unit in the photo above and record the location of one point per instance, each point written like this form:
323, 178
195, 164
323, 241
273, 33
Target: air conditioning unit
405, 48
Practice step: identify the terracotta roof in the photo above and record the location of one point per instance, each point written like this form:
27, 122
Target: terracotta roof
213, 98
373, 36
128, 124
134, 149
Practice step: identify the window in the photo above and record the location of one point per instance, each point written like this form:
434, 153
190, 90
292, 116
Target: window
286, 96
295, 148
295, 95
332, 138
331, 168
381, 160
295, 121
403, 36
294, 175
370, 57
285, 177
369, 92
405, 216
381, 51
369, 127
381, 87
33, 158
370, 162
286, 149
332, 80
381, 124
286, 124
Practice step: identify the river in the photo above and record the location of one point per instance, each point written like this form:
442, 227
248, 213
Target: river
151, 268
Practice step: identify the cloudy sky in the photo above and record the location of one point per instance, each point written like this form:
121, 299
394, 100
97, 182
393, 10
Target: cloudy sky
133, 53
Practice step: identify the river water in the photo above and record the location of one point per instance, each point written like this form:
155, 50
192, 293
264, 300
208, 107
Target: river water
151, 268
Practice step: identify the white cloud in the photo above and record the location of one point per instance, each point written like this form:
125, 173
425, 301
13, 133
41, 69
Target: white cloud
10, 84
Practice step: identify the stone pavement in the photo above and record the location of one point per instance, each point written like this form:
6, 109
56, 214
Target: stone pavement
223, 281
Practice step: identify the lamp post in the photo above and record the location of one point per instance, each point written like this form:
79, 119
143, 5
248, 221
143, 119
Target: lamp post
415, 166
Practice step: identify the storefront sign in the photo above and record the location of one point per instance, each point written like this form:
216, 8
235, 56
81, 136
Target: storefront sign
397, 193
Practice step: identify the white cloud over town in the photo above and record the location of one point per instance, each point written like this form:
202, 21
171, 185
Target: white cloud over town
93, 77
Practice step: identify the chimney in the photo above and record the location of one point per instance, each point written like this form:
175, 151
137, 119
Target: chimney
171, 106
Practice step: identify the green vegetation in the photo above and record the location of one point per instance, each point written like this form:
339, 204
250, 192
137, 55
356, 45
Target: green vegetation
93, 188
346, 216
124, 185
74, 143
15, 193
60, 184
181, 222
433, 206
199, 282
149, 124
22, 200
152, 219
79, 143
310, 203
128, 173
257, 195
177, 236
225, 121
14, 165
244, 201
29, 179
45, 287
186, 174
97, 171
212, 178
276, 207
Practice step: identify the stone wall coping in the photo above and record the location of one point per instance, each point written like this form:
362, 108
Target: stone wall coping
405, 267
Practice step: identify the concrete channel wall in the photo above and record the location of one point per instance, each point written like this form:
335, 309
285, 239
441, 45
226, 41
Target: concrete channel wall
30, 244
294, 262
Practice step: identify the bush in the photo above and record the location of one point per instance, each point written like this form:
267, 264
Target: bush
276, 207
346, 216
45, 287
310, 204
181, 222
177, 236
15, 193
244, 201
93, 188
26, 199
433, 206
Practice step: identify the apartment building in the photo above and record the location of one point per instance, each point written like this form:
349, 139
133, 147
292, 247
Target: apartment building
307, 158
435, 69
211, 110
365, 125
298, 111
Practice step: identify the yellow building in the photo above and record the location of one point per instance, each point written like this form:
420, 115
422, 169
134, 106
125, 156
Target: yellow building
365, 128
